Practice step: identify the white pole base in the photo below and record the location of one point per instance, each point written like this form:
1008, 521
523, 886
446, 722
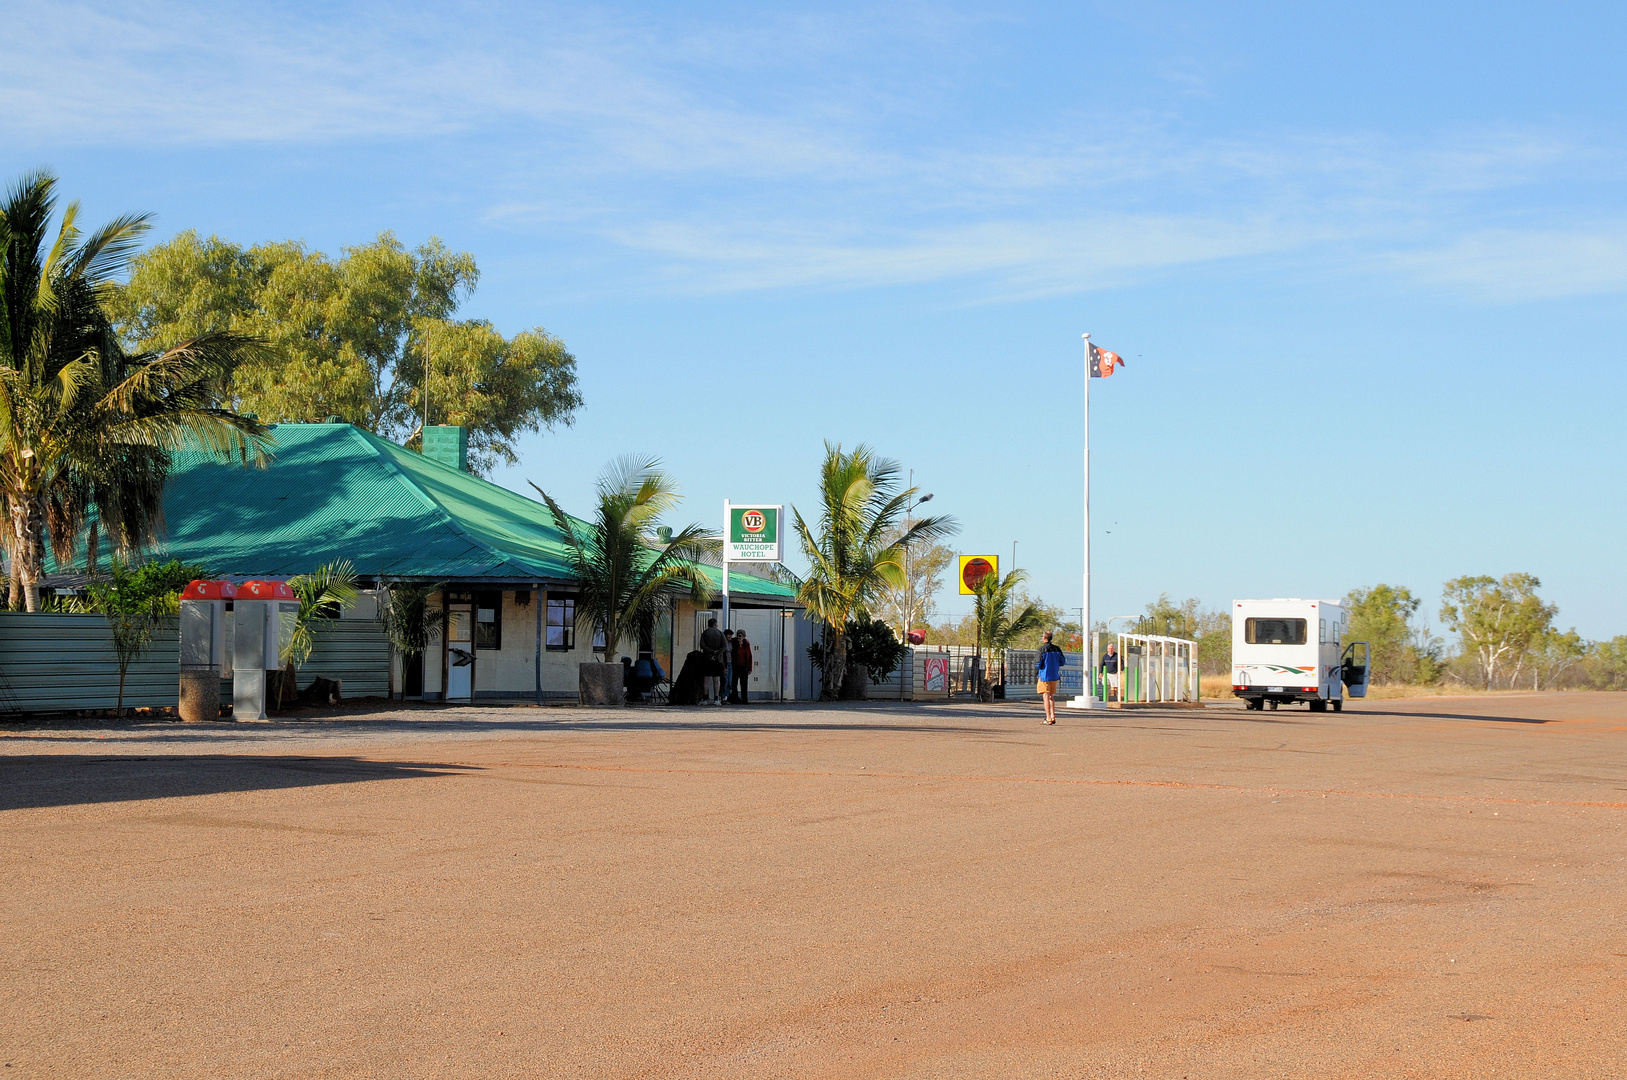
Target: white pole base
1080, 702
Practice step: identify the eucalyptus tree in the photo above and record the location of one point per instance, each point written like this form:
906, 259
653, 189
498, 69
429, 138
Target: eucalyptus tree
370, 336
858, 552
87, 430
623, 567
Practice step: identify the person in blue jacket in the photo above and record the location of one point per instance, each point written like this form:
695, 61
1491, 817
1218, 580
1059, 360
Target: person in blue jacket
1048, 670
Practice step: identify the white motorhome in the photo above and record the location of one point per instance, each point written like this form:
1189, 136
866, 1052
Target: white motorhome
1288, 650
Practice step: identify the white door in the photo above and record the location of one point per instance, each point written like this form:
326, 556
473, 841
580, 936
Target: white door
760, 627
460, 653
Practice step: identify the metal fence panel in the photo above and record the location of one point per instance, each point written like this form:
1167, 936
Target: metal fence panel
354, 651
63, 663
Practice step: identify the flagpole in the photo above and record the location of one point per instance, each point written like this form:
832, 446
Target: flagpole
1086, 700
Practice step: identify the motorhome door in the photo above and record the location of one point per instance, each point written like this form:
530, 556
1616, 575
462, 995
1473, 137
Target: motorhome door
1356, 670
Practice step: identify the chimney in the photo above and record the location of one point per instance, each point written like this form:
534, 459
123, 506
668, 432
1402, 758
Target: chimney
448, 445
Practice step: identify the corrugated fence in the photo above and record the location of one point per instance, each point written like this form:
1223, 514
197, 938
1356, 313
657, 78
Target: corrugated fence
354, 651
63, 663
66, 663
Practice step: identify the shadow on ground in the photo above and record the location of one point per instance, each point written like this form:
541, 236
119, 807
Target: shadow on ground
73, 779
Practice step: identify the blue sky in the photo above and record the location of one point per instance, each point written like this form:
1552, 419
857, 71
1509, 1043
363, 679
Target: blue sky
1368, 266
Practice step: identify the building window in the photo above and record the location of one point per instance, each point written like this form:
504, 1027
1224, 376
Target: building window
561, 627
488, 620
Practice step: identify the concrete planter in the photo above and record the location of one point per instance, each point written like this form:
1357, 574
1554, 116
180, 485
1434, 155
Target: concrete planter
200, 694
601, 684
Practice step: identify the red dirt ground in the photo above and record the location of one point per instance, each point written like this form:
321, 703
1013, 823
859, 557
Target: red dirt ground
1407, 889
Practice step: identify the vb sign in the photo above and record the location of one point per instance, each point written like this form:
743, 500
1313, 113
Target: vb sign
753, 534
974, 568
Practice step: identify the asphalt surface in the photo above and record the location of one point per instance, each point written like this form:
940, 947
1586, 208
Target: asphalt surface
1406, 889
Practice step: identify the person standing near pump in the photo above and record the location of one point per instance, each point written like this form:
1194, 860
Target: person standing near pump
1048, 672
1110, 673
713, 644
738, 692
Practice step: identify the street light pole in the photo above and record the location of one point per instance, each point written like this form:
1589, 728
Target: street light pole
1087, 700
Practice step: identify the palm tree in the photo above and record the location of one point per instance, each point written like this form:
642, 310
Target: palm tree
323, 594
997, 625
86, 430
855, 557
622, 570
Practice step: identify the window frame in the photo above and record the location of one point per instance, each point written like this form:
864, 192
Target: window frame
491, 601
1249, 628
566, 603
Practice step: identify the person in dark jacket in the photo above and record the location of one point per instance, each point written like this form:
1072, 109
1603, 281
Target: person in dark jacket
743, 662
713, 643
1048, 672
1110, 672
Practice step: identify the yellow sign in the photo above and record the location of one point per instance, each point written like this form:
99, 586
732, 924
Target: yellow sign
974, 568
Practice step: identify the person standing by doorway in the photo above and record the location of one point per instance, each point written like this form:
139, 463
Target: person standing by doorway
1048, 672
728, 665
713, 644
743, 663
1110, 673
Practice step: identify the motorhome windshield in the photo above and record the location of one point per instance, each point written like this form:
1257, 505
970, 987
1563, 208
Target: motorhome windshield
1274, 631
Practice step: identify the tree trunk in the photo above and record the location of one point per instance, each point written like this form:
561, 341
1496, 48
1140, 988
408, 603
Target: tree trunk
28, 528
119, 712
835, 666
14, 577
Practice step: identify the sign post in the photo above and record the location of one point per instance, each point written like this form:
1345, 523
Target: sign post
750, 534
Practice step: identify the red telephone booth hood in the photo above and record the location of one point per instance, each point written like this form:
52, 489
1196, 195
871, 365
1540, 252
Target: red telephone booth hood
265, 590
209, 590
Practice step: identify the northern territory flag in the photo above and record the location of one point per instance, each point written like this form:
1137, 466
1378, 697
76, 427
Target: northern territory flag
1103, 362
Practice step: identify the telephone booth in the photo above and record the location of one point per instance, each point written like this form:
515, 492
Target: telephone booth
264, 614
206, 640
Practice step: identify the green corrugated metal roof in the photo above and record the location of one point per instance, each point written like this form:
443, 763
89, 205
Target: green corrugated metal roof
335, 491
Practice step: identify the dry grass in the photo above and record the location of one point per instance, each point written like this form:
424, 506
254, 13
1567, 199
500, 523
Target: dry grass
1219, 687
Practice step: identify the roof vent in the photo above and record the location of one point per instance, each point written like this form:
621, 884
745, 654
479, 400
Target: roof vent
448, 445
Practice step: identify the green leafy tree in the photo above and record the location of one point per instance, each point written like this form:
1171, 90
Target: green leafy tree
1382, 617
1551, 657
1497, 620
87, 430
363, 337
1000, 619
851, 559
137, 601
1605, 665
623, 568
1210, 630
870, 644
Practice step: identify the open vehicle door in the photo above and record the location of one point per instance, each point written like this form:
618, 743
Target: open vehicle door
1356, 670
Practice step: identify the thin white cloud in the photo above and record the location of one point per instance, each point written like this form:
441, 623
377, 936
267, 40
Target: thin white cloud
776, 152
1511, 265
1018, 257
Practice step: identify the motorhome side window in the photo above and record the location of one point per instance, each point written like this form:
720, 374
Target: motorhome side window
1274, 631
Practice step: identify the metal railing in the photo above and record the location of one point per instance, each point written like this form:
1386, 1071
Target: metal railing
1152, 669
